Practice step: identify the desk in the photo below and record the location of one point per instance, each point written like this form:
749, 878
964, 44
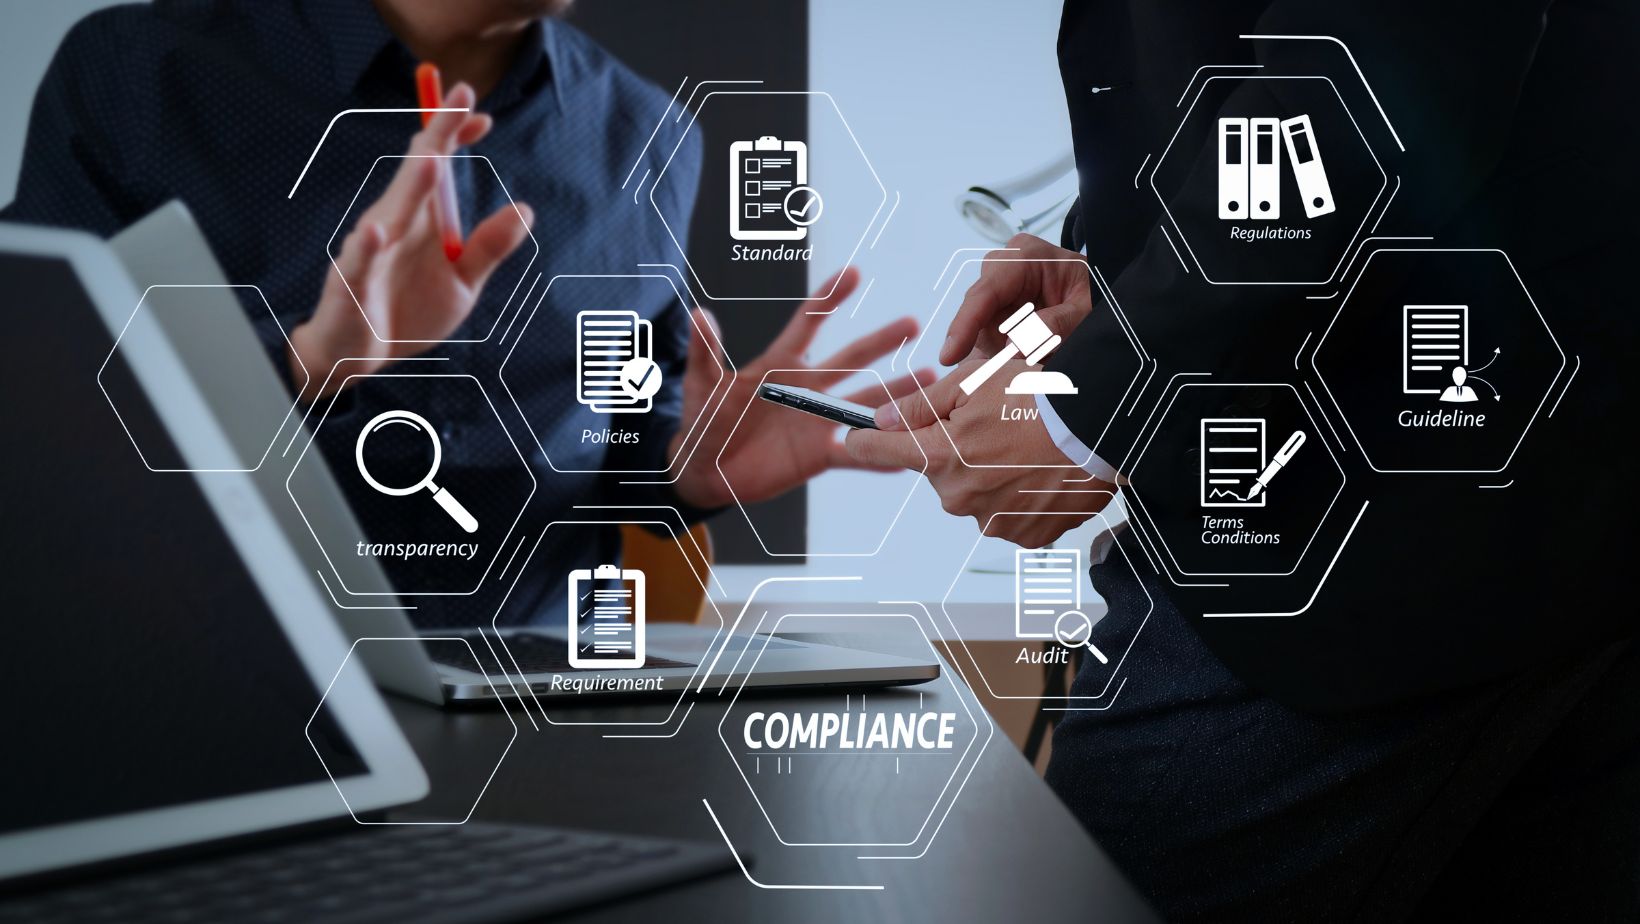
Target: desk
1008, 850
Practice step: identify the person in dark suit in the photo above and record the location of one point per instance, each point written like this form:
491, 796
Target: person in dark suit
1447, 727
220, 104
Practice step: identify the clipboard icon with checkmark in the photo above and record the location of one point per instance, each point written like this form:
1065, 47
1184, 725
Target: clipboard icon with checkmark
768, 195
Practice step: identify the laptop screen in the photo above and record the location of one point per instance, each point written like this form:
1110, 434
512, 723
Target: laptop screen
144, 667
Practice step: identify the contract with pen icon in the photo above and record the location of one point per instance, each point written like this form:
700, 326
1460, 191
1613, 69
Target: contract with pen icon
1235, 470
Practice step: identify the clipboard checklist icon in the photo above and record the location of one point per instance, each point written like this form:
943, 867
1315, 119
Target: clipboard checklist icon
606, 618
769, 195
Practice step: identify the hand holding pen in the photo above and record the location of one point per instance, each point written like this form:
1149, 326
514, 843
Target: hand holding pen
398, 285
446, 212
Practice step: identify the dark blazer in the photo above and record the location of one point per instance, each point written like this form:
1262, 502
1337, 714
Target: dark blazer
1517, 122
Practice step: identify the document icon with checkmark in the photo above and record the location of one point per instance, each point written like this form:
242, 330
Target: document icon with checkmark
615, 370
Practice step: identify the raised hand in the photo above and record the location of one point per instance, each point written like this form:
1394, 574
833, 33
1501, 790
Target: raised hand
394, 284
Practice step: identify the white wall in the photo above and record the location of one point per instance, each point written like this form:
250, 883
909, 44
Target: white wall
941, 97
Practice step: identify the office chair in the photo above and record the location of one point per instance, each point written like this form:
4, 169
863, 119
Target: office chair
675, 575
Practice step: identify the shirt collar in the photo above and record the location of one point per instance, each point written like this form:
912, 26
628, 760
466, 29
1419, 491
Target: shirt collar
532, 71
356, 37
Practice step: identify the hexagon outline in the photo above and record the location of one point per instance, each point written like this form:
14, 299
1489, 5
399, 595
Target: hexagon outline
1348, 246
736, 853
990, 732
365, 110
308, 728
1122, 322
500, 544
707, 412
1116, 542
695, 117
1315, 591
1343, 481
683, 692
523, 274
272, 439
955, 768
718, 463
989, 725
1535, 411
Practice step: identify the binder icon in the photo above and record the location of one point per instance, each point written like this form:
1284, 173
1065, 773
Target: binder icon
1250, 168
1264, 169
606, 618
761, 173
1232, 168
1308, 170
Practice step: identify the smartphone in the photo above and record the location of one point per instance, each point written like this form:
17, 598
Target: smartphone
820, 404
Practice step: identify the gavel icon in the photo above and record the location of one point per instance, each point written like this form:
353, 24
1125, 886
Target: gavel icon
1028, 336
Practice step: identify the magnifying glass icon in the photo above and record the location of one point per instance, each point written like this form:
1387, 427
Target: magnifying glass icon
1073, 628
411, 419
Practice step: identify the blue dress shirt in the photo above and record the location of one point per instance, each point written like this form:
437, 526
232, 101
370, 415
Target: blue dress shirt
220, 104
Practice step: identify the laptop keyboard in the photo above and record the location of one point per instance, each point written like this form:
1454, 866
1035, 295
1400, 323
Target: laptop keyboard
535, 654
468, 872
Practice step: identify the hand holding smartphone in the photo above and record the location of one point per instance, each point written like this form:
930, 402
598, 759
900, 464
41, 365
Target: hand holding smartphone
819, 404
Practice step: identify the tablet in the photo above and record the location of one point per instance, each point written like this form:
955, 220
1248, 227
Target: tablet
173, 649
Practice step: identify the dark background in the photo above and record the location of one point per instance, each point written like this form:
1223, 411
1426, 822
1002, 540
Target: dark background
726, 40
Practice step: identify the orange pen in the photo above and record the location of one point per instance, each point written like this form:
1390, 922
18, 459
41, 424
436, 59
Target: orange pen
430, 91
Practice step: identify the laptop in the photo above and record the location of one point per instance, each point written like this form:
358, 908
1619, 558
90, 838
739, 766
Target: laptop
222, 353
180, 669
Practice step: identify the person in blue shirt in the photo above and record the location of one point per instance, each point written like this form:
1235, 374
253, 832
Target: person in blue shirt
221, 104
